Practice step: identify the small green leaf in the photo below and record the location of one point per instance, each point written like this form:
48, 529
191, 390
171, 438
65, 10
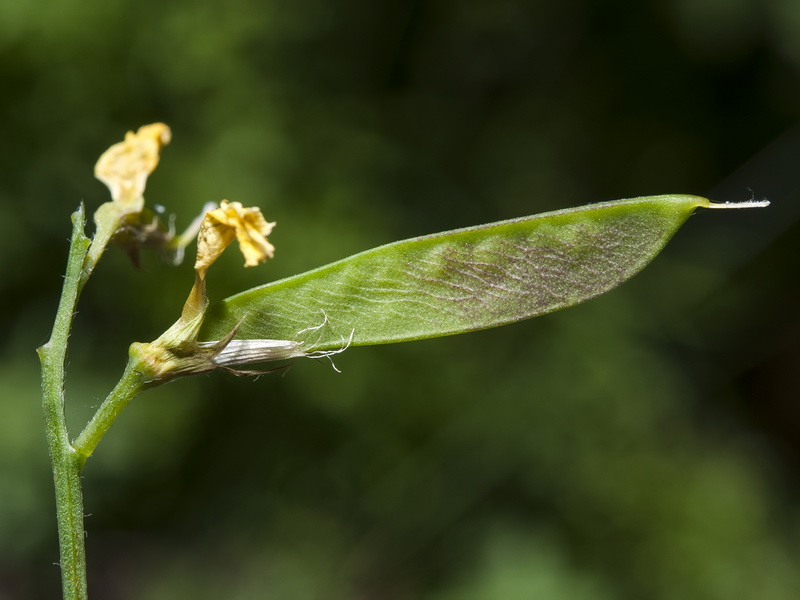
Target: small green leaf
461, 280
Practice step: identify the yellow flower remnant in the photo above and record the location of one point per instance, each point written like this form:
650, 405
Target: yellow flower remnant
177, 352
232, 220
125, 166
218, 229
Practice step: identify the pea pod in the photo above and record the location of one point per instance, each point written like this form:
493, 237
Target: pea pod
462, 280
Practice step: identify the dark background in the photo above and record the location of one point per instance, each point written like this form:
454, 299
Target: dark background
642, 446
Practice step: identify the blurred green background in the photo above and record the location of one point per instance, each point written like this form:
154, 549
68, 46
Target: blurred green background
645, 445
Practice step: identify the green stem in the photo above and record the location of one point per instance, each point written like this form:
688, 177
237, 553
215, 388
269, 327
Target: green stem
131, 384
65, 461
106, 227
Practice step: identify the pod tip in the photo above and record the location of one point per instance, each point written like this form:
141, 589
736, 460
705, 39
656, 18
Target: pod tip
747, 204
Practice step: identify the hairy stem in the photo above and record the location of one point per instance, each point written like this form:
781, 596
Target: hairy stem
106, 228
65, 461
131, 384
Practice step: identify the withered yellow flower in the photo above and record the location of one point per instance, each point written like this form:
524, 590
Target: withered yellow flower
125, 166
232, 220
177, 352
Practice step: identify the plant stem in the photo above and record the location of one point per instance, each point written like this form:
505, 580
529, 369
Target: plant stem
101, 238
131, 384
65, 461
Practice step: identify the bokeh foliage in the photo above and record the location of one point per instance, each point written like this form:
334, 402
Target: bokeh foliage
644, 445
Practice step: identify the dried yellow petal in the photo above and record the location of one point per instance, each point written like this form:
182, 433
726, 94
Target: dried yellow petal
125, 166
232, 220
